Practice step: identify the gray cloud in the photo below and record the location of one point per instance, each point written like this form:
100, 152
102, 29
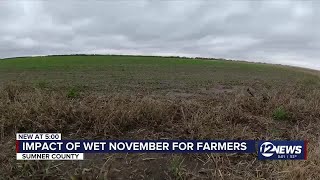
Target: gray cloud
284, 32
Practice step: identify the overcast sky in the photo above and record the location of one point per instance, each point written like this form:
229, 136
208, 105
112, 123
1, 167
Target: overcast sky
282, 32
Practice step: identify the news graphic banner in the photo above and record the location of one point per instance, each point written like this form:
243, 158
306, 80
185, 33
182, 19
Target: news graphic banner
46, 146
50, 146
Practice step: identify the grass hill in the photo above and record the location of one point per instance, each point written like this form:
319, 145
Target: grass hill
140, 97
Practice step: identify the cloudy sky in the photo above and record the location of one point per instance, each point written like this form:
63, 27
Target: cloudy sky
282, 32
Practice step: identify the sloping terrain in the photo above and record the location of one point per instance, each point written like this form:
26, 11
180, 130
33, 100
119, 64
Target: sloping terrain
134, 97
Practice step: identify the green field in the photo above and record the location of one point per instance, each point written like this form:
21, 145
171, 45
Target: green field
137, 73
139, 97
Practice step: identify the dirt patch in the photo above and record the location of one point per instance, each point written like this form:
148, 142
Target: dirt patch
176, 95
221, 89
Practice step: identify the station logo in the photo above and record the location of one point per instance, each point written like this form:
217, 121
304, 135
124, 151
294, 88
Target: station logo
282, 150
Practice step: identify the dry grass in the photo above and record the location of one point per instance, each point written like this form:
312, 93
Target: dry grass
232, 115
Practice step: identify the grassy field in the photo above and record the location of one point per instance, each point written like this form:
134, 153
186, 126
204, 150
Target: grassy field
135, 97
143, 73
